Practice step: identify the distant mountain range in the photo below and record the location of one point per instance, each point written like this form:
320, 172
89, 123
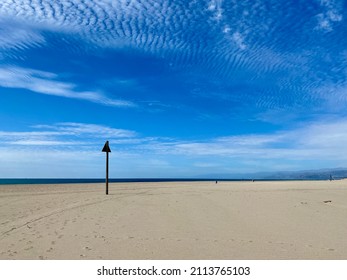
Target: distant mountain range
320, 174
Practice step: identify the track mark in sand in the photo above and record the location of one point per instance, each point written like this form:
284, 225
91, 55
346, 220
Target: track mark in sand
3, 234
6, 232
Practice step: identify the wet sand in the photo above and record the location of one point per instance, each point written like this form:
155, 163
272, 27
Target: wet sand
180, 220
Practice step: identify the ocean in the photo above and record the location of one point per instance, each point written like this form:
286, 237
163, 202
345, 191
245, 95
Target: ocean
14, 181
17, 181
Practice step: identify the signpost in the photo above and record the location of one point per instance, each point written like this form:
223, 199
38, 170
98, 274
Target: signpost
106, 149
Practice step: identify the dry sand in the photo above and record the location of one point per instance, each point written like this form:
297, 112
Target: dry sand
185, 220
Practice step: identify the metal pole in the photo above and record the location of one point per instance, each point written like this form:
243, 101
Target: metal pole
106, 149
107, 173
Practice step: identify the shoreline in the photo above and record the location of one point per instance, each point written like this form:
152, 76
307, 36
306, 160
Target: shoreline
62, 181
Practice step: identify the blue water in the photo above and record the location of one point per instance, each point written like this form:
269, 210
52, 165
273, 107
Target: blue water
13, 181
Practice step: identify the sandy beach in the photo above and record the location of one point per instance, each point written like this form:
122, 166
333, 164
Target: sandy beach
175, 220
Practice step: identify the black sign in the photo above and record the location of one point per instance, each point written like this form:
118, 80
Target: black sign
106, 148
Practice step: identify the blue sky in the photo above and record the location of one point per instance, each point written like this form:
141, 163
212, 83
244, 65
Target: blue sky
179, 88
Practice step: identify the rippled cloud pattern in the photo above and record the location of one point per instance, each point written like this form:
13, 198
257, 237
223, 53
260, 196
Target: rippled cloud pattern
276, 53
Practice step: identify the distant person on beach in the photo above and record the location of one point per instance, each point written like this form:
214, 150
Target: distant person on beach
216, 182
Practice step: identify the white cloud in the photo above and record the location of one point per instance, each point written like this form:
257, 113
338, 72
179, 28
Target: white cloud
65, 134
316, 141
330, 16
42, 143
315, 145
106, 23
226, 29
92, 129
47, 83
215, 6
162, 28
16, 35
238, 39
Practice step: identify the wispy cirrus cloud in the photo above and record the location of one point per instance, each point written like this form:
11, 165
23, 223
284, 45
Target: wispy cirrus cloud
319, 141
64, 134
314, 141
15, 35
48, 83
71, 128
317, 145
